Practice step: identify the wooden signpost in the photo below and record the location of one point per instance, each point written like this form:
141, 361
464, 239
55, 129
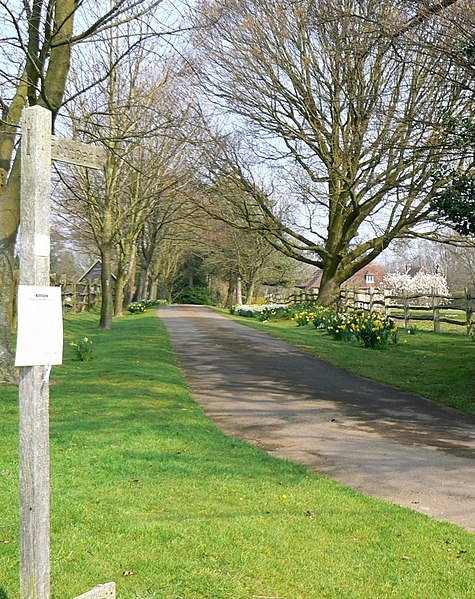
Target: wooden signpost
38, 149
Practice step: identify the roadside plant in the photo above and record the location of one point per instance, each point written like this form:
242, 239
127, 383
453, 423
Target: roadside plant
339, 326
82, 349
303, 318
370, 330
137, 307
263, 312
269, 312
375, 331
321, 317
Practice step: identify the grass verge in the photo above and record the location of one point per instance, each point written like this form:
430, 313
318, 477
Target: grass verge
439, 366
147, 492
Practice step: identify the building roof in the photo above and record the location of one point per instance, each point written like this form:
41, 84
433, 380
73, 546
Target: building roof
93, 272
312, 282
360, 279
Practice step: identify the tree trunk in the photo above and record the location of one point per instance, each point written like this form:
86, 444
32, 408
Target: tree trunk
153, 290
141, 291
230, 294
7, 369
9, 220
250, 290
130, 286
119, 293
106, 283
53, 85
239, 291
329, 291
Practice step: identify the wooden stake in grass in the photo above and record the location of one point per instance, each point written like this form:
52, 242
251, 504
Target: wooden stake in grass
38, 148
34, 389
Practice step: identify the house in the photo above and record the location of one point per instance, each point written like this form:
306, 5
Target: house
93, 273
93, 276
369, 276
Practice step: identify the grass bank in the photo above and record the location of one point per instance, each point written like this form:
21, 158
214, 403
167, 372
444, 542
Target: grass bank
439, 366
147, 492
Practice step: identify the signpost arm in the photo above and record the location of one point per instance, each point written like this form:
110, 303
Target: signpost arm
34, 388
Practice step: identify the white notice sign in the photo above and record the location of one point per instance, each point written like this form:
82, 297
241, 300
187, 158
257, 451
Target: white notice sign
40, 326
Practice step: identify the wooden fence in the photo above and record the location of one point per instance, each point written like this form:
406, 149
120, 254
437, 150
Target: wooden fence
78, 297
456, 309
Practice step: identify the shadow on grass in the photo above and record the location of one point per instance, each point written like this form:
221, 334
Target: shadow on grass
3, 594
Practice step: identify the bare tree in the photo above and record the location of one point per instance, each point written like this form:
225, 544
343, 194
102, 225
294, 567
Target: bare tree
138, 114
346, 120
36, 49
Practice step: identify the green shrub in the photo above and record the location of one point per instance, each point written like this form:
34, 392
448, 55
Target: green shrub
82, 349
262, 312
197, 295
137, 307
370, 330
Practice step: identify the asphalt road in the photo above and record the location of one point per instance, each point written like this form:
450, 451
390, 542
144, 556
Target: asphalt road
375, 438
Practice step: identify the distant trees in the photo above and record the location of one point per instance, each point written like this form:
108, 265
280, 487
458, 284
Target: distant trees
345, 116
38, 40
245, 261
455, 261
421, 282
455, 201
137, 113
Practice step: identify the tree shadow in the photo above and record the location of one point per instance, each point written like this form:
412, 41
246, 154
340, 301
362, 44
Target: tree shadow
3, 594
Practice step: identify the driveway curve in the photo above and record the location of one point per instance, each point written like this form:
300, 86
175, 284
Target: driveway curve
375, 438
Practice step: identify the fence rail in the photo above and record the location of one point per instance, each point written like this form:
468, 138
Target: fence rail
78, 297
407, 307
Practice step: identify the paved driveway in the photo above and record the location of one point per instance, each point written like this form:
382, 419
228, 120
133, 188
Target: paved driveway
372, 437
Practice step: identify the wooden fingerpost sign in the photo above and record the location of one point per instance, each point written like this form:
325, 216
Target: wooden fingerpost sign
39, 345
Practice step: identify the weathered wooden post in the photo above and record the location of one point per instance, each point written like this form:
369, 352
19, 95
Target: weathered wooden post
435, 311
407, 311
371, 300
387, 303
34, 388
37, 349
74, 298
469, 310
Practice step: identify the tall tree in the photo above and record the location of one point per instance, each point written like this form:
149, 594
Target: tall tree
455, 22
38, 39
348, 117
138, 114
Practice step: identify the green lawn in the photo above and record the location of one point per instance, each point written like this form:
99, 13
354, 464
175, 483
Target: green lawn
147, 492
440, 366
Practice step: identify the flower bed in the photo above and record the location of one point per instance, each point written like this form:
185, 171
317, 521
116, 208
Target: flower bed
263, 313
370, 330
141, 306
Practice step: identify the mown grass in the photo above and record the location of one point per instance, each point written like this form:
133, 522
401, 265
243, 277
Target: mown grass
439, 366
147, 492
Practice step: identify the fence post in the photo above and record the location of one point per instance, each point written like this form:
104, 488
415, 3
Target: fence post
435, 312
89, 295
85, 297
97, 293
407, 312
387, 302
74, 299
371, 300
469, 310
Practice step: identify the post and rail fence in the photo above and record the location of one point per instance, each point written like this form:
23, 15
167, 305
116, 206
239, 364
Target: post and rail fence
457, 309
78, 296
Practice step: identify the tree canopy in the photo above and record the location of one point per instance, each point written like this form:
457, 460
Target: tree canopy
344, 116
